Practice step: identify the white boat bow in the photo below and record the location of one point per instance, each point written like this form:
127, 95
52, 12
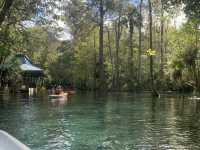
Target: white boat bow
8, 142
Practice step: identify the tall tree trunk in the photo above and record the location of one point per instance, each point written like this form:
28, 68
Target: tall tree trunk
95, 61
111, 57
196, 69
117, 46
197, 34
162, 41
2, 56
4, 10
1, 71
150, 42
140, 44
154, 92
101, 85
130, 58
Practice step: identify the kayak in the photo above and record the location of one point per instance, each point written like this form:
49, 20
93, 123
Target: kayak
55, 96
71, 92
8, 142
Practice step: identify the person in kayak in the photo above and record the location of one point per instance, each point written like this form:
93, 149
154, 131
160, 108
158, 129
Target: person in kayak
59, 90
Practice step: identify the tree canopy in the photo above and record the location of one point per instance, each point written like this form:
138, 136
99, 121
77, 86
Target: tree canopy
113, 46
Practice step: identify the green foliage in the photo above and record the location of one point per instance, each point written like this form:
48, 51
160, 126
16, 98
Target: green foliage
192, 8
4, 51
75, 62
184, 55
190, 56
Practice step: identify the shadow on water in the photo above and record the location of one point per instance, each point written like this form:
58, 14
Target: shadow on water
153, 108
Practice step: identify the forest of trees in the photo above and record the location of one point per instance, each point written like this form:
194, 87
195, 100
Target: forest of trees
111, 45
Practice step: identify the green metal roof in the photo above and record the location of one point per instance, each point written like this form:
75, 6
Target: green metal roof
27, 66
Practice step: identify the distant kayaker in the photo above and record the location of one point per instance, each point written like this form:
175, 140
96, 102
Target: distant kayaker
59, 90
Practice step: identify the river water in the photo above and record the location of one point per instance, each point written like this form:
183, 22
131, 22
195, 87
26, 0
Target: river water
94, 122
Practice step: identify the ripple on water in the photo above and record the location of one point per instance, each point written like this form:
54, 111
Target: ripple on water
125, 122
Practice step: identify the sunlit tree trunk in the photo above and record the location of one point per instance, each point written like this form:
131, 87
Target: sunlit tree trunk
130, 57
117, 47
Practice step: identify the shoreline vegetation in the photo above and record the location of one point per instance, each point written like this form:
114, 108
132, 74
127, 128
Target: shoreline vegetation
43, 90
102, 45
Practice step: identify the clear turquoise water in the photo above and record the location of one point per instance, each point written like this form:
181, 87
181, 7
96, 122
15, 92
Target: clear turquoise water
112, 122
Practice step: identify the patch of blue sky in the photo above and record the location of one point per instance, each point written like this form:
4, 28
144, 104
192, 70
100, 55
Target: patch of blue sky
137, 2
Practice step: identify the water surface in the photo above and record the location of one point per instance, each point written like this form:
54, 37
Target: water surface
94, 122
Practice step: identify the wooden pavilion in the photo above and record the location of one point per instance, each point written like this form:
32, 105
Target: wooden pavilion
31, 73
